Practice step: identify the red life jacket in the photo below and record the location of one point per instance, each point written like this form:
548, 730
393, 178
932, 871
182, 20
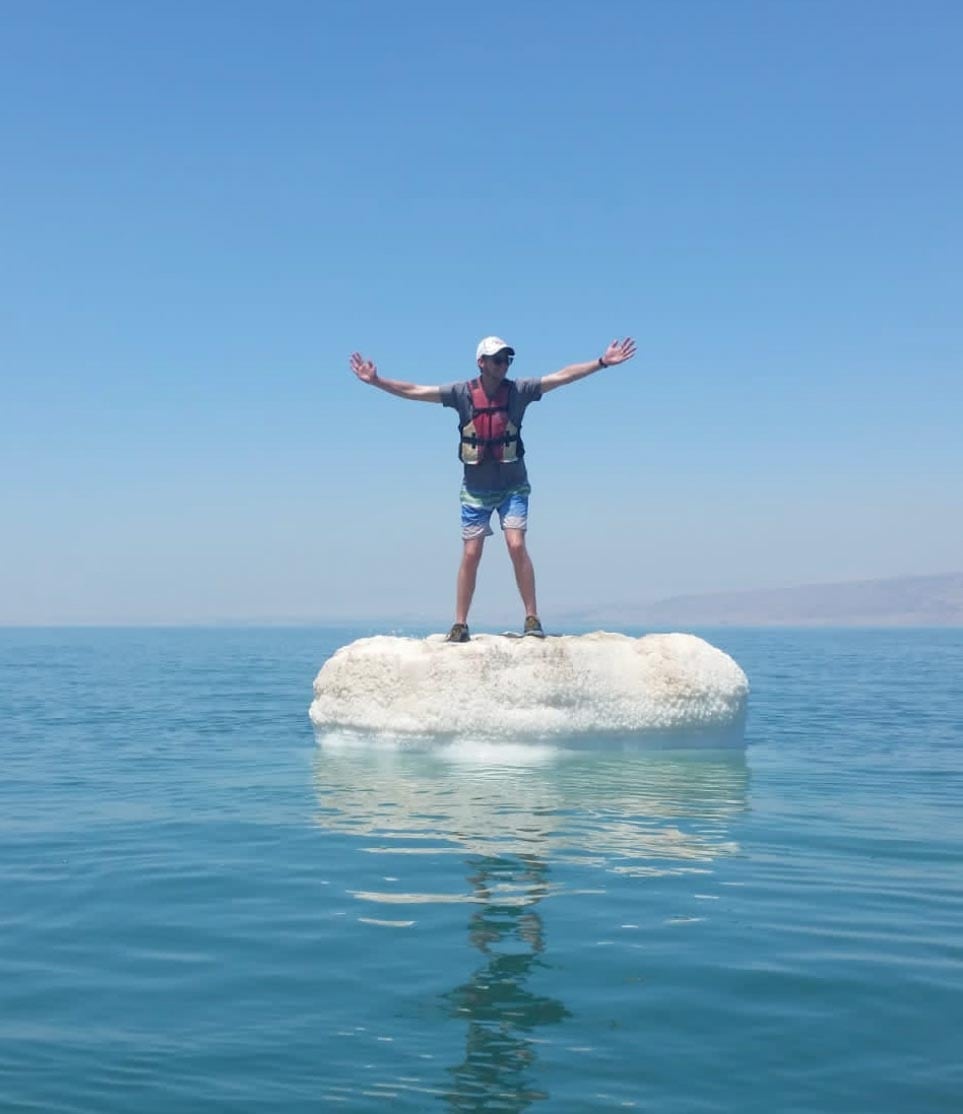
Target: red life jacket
488, 434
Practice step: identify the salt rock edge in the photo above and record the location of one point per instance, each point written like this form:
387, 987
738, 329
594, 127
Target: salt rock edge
497, 687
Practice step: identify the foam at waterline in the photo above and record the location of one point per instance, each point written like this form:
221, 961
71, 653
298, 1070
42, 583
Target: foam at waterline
455, 749
501, 688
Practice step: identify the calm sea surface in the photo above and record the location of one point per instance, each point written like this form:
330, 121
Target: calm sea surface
201, 909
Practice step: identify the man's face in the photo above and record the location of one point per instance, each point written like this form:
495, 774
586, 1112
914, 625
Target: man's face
496, 367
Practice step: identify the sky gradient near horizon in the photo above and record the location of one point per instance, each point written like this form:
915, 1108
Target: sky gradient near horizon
206, 207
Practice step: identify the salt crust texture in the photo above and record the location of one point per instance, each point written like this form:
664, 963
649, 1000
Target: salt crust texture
496, 687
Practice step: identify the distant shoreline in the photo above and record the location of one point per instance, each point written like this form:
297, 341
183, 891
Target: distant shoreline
895, 603
892, 603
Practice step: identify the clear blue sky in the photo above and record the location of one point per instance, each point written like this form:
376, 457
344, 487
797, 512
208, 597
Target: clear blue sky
206, 206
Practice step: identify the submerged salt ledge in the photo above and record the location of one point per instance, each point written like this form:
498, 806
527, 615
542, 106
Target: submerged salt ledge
495, 687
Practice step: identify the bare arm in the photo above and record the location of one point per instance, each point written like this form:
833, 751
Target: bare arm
368, 373
617, 353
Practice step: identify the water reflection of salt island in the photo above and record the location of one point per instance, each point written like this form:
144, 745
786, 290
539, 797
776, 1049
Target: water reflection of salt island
643, 813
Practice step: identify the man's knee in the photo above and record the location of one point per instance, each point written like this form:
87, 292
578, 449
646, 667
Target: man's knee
515, 540
472, 552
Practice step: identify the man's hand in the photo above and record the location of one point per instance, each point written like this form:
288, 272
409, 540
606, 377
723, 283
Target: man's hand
619, 351
368, 373
364, 369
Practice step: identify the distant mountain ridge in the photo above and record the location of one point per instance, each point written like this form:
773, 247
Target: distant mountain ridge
896, 602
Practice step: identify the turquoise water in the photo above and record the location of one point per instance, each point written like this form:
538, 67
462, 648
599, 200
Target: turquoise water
202, 909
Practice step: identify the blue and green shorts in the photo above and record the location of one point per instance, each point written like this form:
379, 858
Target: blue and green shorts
477, 507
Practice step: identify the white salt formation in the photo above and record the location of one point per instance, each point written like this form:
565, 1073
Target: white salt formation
496, 687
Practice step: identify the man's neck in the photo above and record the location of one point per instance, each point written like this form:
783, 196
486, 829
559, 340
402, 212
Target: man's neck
490, 386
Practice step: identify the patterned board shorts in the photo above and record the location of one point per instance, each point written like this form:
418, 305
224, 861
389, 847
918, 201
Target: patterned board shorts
477, 507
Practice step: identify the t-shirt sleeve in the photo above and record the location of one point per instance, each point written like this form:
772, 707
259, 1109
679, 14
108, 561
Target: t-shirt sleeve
449, 395
529, 390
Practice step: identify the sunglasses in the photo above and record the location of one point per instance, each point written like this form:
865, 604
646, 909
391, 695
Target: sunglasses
501, 359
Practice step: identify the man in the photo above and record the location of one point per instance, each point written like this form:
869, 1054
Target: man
490, 411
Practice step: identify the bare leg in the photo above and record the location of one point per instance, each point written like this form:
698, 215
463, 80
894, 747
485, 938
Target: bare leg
467, 572
524, 572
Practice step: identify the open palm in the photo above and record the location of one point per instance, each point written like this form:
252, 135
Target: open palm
364, 369
619, 351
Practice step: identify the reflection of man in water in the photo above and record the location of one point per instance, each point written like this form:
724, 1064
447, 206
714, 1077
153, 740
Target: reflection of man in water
500, 1012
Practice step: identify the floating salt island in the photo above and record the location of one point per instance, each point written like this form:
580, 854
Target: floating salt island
587, 685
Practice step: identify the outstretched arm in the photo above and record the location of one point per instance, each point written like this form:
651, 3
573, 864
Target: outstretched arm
617, 353
368, 373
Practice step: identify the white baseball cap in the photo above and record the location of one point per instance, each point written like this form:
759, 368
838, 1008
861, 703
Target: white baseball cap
490, 345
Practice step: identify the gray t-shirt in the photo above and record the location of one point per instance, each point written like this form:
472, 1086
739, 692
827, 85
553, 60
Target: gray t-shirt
493, 475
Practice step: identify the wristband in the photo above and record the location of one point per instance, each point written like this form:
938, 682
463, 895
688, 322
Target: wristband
602, 363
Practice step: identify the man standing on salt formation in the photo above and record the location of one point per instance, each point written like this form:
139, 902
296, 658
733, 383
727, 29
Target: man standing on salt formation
490, 411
